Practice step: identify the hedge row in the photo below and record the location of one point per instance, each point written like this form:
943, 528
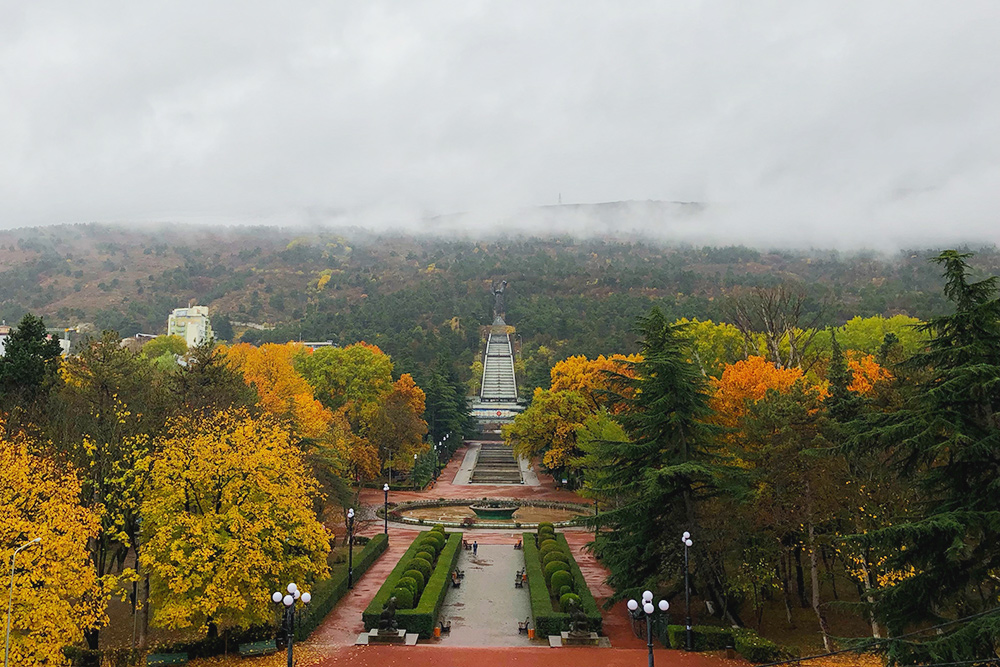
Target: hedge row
548, 621
325, 595
747, 643
423, 618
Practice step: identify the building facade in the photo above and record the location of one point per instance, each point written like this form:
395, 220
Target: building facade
191, 324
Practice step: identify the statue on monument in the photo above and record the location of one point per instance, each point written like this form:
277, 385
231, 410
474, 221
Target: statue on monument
498, 305
579, 624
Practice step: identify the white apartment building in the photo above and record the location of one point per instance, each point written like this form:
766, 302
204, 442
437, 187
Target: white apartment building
191, 324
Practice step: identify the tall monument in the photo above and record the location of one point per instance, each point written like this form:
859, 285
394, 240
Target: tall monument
497, 402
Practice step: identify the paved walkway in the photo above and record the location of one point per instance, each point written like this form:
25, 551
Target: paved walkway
485, 609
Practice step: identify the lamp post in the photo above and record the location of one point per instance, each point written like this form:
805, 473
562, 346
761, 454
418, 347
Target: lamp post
350, 548
10, 597
385, 489
686, 539
413, 474
288, 601
437, 458
647, 609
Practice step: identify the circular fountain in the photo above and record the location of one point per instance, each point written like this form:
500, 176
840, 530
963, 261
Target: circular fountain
494, 511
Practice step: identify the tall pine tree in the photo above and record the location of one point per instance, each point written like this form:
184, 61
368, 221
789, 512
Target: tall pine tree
659, 475
946, 441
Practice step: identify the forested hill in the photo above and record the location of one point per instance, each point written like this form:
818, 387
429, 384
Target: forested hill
423, 299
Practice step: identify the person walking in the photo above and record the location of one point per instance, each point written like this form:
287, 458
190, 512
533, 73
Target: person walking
475, 547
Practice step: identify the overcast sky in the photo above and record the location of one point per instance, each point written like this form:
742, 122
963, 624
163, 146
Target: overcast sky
816, 122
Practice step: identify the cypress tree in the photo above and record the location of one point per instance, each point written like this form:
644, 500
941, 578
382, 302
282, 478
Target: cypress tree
946, 441
27, 367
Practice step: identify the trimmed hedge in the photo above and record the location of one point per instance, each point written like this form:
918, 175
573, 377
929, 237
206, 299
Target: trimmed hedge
423, 617
755, 648
549, 621
705, 637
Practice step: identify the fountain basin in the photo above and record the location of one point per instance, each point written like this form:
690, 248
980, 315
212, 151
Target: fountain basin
494, 512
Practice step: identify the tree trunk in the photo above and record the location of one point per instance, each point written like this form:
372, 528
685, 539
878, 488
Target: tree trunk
143, 611
800, 579
869, 585
786, 593
814, 575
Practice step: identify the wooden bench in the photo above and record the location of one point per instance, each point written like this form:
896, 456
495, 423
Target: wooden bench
166, 659
522, 628
518, 546
466, 545
519, 579
265, 647
455, 581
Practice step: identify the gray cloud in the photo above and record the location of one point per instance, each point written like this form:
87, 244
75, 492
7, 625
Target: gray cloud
848, 123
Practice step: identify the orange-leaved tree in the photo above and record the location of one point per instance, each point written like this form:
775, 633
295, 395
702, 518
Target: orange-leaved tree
591, 377
548, 428
748, 380
228, 518
55, 590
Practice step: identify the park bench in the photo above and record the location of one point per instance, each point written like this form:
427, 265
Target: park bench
518, 545
519, 579
455, 580
154, 659
460, 573
522, 628
265, 647
466, 545
446, 626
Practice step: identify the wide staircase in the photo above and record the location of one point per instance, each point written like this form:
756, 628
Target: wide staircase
498, 370
496, 465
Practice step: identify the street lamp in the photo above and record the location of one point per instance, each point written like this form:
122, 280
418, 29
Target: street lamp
647, 609
350, 548
413, 474
686, 539
10, 597
288, 601
385, 489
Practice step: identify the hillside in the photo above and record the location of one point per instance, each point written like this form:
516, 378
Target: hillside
423, 298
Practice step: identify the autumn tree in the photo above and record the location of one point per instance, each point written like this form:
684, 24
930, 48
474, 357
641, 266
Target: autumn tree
548, 428
281, 390
746, 381
208, 380
397, 428
55, 591
172, 345
590, 378
228, 518
105, 411
358, 375
780, 319
715, 345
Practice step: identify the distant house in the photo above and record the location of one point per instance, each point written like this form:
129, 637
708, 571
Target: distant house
312, 345
4, 335
191, 324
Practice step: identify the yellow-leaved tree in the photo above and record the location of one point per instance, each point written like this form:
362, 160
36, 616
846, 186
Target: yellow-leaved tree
228, 518
591, 377
55, 593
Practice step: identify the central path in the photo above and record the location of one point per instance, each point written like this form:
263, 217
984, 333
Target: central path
485, 609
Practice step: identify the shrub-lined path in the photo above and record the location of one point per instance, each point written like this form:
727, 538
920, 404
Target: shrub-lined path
333, 642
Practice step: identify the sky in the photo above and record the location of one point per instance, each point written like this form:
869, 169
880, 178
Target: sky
805, 123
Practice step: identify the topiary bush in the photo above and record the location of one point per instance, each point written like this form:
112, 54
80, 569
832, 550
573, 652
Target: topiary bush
411, 584
555, 554
547, 546
552, 568
439, 528
404, 597
561, 579
421, 565
546, 525
755, 648
563, 590
566, 599
418, 578
427, 554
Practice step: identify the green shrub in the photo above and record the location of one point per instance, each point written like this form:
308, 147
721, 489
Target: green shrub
427, 555
566, 599
422, 618
548, 546
704, 637
755, 648
563, 590
546, 525
554, 555
404, 597
561, 579
552, 568
439, 528
418, 578
435, 541
423, 566
410, 584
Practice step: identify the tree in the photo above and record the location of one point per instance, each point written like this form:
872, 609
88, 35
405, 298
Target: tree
777, 318
107, 407
747, 381
172, 345
28, 367
222, 327
209, 381
397, 428
665, 470
227, 519
281, 390
548, 429
591, 378
359, 374
714, 345
945, 440
56, 595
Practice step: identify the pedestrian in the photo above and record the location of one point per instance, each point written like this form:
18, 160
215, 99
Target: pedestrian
475, 547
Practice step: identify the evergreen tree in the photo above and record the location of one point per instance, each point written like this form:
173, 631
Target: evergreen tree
842, 404
946, 441
663, 470
27, 368
207, 381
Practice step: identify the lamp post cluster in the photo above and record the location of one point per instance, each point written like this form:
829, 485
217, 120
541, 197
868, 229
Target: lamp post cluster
647, 610
288, 601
